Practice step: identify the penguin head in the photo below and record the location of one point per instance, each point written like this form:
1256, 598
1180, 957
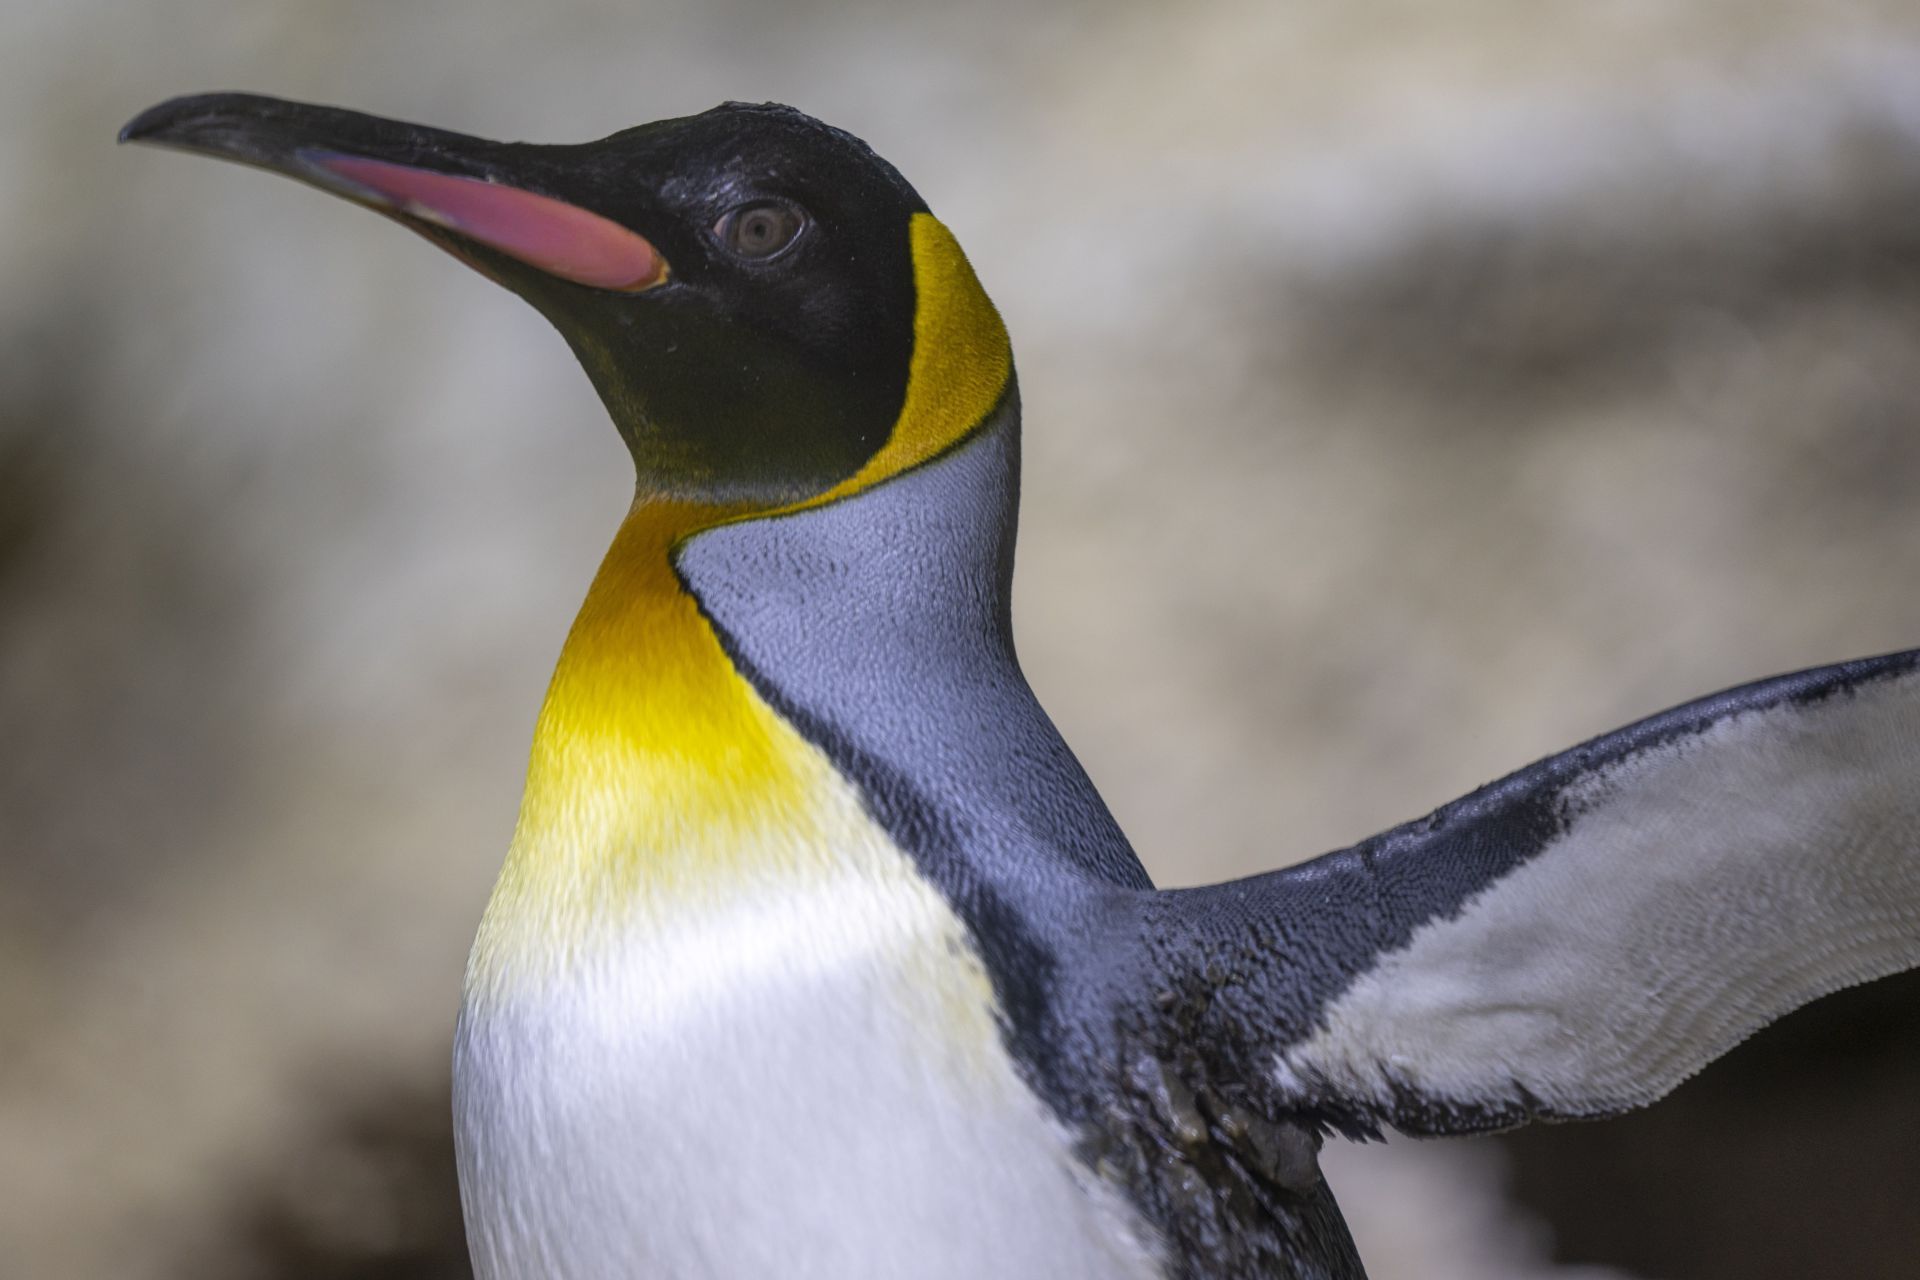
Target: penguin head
743, 286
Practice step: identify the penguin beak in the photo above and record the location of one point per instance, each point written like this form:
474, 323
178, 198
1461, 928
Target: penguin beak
456, 190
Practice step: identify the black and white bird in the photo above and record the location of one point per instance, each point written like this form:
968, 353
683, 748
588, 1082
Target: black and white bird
816, 954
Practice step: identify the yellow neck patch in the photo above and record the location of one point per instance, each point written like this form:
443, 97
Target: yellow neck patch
961, 363
658, 776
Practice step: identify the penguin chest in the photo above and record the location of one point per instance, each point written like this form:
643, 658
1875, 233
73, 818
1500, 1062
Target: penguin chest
805, 1081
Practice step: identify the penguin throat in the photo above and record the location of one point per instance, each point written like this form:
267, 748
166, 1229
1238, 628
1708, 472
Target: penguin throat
656, 770
643, 699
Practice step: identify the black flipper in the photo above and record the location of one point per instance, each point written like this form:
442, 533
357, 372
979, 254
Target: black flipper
1576, 939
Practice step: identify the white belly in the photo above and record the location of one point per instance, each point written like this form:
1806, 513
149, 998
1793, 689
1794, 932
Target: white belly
798, 1087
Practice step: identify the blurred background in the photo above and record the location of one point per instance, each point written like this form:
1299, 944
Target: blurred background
1411, 391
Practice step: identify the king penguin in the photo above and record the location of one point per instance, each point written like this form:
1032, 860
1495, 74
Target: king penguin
816, 954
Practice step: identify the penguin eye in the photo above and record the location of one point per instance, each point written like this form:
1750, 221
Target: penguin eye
761, 229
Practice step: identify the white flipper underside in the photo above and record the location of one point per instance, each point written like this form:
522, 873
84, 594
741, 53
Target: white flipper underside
1702, 887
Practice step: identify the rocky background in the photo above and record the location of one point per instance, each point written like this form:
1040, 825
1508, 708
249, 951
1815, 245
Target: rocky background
1412, 391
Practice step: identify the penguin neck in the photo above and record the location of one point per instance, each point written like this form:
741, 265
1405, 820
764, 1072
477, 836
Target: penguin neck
664, 769
879, 627
659, 724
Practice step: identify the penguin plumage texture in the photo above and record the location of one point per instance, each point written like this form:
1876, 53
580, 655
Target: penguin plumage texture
816, 953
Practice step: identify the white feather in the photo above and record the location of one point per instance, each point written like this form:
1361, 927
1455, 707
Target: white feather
804, 1082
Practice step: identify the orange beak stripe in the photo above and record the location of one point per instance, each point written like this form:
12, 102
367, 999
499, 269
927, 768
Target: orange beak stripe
561, 239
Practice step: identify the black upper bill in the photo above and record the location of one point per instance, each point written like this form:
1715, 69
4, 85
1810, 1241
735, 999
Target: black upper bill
271, 133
